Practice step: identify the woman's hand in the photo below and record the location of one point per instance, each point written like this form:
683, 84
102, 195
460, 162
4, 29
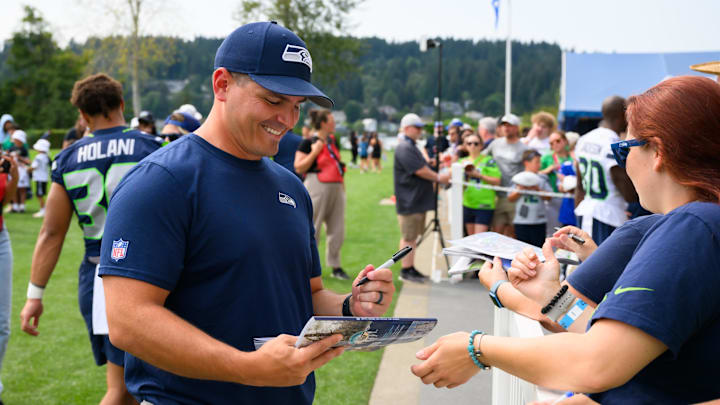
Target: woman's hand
447, 362
492, 272
537, 280
562, 240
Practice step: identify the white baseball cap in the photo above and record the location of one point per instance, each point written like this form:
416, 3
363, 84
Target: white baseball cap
190, 109
569, 183
511, 119
42, 145
526, 179
411, 120
20, 136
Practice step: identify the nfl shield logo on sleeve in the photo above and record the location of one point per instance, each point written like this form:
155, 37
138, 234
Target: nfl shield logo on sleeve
119, 249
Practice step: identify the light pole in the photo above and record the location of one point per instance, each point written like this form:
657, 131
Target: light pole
434, 225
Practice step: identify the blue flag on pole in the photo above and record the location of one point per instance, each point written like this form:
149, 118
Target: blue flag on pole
496, 6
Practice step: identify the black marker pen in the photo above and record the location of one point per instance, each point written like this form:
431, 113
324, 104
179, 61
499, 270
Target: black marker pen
397, 256
573, 236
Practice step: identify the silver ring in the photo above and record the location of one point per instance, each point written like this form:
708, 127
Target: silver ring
379, 299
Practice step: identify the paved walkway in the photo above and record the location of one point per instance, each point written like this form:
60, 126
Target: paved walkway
463, 306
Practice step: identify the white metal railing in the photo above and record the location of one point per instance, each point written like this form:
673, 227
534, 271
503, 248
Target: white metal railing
506, 388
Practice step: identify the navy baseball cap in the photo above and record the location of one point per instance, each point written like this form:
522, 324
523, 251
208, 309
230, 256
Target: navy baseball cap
188, 123
274, 57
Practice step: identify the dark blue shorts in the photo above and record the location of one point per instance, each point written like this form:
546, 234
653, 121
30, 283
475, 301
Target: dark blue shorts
532, 234
479, 216
600, 230
102, 349
40, 188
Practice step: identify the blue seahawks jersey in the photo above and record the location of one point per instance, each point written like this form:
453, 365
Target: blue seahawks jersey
91, 168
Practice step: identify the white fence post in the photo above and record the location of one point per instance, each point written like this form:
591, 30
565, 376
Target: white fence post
508, 389
455, 207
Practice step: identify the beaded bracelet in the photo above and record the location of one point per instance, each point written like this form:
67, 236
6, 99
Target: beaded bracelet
554, 300
474, 354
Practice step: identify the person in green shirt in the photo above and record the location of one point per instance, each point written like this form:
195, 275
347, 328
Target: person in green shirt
550, 165
478, 203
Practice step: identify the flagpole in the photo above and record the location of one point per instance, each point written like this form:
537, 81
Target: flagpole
508, 61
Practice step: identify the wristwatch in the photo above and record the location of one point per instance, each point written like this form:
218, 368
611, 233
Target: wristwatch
493, 293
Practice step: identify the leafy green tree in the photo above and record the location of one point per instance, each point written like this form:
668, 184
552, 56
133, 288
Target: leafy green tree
353, 111
322, 24
390, 98
40, 76
129, 56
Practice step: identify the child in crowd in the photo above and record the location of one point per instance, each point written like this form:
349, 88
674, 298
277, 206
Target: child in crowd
22, 156
530, 217
39, 168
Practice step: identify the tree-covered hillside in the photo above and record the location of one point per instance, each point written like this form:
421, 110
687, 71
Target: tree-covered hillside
393, 74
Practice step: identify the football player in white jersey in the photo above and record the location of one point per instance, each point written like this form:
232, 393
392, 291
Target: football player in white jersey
604, 188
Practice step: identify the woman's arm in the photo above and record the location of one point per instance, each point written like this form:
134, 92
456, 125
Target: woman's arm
303, 161
607, 356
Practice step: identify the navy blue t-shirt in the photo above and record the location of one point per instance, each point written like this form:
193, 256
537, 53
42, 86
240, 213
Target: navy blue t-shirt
669, 289
91, 168
598, 273
232, 240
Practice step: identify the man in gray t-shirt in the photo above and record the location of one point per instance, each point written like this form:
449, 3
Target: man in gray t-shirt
413, 180
507, 153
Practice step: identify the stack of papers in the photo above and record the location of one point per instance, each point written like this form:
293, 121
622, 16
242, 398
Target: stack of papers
366, 334
473, 250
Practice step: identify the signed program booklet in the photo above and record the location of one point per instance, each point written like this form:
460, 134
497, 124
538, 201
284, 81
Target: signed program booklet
365, 334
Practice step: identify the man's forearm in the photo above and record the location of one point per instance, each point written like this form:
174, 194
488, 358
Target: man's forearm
45, 256
156, 335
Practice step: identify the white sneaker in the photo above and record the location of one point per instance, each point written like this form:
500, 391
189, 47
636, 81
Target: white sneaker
39, 214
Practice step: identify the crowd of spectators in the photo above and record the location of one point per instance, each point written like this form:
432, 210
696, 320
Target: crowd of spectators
641, 308
602, 194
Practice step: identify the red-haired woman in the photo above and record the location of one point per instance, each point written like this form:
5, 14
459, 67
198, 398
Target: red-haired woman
654, 338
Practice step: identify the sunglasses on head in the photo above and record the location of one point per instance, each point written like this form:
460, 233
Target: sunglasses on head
621, 150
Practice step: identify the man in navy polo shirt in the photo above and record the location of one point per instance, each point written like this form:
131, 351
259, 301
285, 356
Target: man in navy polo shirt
188, 288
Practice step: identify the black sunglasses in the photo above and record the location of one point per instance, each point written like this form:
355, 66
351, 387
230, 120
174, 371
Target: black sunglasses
171, 137
621, 150
472, 143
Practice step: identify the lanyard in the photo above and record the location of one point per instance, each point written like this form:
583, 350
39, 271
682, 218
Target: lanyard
332, 153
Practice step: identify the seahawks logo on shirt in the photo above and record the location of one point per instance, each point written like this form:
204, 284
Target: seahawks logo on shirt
286, 199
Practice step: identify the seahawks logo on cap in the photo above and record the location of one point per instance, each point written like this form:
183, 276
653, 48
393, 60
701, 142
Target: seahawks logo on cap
297, 54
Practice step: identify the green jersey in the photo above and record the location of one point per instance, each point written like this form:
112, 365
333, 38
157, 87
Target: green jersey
480, 198
548, 160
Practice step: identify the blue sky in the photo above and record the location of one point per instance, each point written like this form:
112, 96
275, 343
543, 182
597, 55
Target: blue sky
582, 25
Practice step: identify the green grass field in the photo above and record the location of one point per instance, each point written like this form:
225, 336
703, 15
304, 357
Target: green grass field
56, 367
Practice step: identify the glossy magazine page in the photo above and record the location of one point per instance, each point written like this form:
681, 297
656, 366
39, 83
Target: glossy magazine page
362, 333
